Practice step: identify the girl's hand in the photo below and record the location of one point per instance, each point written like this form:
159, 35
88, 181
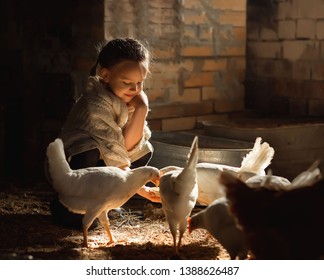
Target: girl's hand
149, 194
133, 131
139, 100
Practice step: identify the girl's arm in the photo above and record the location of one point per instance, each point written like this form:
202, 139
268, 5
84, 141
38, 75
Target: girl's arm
133, 132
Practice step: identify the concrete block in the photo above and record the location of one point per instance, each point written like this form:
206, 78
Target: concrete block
287, 29
306, 29
301, 70
284, 10
270, 68
265, 49
316, 107
320, 29
318, 71
322, 50
267, 34
296, 50
314, 89
253, 31
298, 107
302, 9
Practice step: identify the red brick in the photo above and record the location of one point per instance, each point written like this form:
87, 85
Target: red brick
161, 4
192, 17
200, 79
234, 5
232, 18
214, 64
199, 51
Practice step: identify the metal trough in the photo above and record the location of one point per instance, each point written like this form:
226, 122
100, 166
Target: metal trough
297, 144
172, 148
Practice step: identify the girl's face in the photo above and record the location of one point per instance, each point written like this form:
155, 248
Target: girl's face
126, 79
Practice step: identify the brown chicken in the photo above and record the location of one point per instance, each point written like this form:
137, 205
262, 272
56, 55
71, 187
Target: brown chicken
285, 224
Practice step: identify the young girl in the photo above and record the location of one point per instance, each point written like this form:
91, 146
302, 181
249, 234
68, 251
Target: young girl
107, 124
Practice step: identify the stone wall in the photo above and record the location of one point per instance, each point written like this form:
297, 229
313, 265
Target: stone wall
285, 57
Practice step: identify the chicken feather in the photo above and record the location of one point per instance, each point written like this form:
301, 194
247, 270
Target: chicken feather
254, 163
269, 181
308, 177
258, 159
94, 191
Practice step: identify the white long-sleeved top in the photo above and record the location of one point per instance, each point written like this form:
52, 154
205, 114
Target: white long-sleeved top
97, 120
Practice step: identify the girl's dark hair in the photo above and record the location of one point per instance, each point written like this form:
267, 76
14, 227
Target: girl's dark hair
118, 50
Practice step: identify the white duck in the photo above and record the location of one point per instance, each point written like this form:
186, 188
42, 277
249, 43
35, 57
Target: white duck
94, 191
179, 192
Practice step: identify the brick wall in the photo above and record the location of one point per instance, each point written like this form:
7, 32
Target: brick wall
285, 57
198, 71
199, 55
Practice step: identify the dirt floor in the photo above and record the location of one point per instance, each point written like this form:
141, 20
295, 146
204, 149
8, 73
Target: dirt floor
27, 232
